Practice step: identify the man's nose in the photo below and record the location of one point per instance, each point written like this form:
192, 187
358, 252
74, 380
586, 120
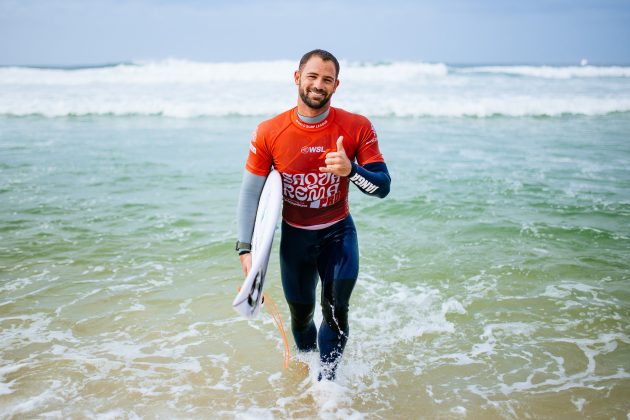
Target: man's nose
318, 84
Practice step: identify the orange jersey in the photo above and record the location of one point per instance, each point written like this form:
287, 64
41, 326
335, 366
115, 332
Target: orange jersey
297, 150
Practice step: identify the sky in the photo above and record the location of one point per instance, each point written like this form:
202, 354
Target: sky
94, 32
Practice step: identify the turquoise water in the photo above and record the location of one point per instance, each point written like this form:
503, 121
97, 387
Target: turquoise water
494, 278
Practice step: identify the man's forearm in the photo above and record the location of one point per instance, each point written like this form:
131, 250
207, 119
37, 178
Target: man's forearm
372, 179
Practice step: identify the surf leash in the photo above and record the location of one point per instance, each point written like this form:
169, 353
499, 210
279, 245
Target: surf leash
277, 319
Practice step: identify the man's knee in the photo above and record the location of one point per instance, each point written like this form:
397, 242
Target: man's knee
336, 316
301, 315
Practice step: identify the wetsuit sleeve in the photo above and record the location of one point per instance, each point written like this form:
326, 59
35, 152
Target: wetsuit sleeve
251, 188
372, 178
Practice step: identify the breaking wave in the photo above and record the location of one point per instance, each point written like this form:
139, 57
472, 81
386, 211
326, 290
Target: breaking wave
186, 89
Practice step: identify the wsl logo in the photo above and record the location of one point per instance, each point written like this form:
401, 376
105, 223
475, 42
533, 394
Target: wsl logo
312, 149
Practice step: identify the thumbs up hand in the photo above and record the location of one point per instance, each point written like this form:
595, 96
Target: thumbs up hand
337, 163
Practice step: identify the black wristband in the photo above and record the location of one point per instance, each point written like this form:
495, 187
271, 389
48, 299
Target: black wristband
243, 246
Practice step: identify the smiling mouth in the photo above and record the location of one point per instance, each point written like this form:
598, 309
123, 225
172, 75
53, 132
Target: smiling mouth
317, 95
315, 99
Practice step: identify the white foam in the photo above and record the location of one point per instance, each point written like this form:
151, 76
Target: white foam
33, 403
6, 387
254, 413
385, 309
579, 403
16, 284
185, 89
333, 400
457, 359
401, 71
452, 305
479, 286
491, 331
579, 293
459, 410
184, 307
559, 380
170, 71
116, 413
77, 300
554, 72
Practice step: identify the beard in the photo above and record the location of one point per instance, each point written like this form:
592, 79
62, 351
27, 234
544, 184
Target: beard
313, 103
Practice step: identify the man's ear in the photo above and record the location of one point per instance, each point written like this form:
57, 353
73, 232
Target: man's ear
296, 77
336, 85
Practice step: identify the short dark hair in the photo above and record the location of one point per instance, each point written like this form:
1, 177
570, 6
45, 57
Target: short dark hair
324, 55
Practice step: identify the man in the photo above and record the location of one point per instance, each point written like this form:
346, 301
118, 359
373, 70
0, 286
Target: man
318, 150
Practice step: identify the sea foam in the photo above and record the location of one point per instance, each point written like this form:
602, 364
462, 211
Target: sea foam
186, 89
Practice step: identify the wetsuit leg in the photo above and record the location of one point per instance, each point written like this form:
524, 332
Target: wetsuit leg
338, 267
333, 254
299, 280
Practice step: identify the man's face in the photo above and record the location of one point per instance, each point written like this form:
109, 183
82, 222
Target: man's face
317, 81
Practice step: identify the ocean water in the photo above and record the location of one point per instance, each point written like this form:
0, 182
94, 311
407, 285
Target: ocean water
494, 278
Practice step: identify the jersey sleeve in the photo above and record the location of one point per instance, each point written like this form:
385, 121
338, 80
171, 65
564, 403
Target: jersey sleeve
368, 150
259, 159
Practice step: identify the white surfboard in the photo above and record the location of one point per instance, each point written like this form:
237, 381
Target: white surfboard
249, 298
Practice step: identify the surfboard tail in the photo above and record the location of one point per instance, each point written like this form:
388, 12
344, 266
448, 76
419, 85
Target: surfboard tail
249, 299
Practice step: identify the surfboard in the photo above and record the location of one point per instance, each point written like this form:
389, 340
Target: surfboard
249, 298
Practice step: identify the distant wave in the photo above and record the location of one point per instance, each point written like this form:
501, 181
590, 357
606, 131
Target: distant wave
146, 73
190, 72
551, 72
186, 89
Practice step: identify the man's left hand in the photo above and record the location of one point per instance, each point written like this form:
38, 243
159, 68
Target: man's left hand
337, 163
